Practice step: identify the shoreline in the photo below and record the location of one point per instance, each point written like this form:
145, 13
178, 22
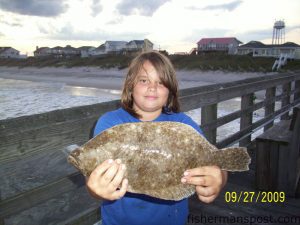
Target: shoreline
113, 78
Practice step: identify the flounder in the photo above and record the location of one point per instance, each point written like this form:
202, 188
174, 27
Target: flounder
156, 154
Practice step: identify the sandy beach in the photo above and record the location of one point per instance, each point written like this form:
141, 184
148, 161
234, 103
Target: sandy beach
113, 78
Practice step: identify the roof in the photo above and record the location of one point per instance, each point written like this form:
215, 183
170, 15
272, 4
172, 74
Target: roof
85, 47
224, 40
3, 49
69, 47
258, 44
57, 48
290, 44
253, 44
101, 47
116, 43
38, 50
138, 42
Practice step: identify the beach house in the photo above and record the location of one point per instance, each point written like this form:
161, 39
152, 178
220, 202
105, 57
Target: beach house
86, 51
225, 44
42, 51
57, 52
114, 47
137, 46
258, 49
9, 52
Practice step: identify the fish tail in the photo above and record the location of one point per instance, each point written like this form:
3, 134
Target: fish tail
233, 159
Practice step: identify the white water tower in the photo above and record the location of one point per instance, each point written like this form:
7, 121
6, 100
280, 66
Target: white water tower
278, 32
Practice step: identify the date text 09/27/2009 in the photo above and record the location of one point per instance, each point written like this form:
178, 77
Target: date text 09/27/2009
252, 196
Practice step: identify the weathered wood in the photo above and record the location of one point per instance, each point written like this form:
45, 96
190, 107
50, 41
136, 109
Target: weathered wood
271, 154
55, 136
258, 124
246, 118
208, 114
297, 87
280, 133
262, 169
56, 210
283, 170
286, 89
270, 107
294, 155
282, 146
87, 217
35, 196
237, 114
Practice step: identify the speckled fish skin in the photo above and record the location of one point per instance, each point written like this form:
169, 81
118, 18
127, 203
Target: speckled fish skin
156, 154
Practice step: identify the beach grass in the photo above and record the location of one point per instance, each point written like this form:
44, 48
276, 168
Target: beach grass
212, 61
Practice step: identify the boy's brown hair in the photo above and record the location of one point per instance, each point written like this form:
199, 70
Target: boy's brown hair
167, 76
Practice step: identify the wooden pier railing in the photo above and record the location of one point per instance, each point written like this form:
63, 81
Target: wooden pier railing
38, 186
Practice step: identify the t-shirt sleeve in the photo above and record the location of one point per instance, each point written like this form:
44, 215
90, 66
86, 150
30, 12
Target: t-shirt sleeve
105, 122
188, 120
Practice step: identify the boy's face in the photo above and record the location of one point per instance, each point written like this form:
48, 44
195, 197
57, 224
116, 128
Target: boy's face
149, 94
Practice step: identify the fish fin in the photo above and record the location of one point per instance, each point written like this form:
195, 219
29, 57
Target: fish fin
69, 149
232, 159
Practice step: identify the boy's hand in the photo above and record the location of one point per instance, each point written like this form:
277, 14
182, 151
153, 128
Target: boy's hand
208, 180
105, 180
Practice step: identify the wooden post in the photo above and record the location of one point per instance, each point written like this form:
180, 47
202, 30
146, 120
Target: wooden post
209, 114
270, 107
246, 118
286, 89
293, 167
1, 219
297, 87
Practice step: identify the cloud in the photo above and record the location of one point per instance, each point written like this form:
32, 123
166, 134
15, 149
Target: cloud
10, 21
11, 24
140, 7
226, 7
289, 28
196, 35
254, 35
96, 7
68, 33
115, 21
45, 8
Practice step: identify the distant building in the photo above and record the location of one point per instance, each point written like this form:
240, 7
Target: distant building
137, 46
42, 52
9, 52
114, 47
258, 49
70, 51
86, 51
122, 48
108, 48
57, 52
99, 51
226, 44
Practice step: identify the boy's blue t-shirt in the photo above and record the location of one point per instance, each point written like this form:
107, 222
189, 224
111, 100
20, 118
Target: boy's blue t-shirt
137, 209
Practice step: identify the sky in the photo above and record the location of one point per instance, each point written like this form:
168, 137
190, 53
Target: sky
172, 25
